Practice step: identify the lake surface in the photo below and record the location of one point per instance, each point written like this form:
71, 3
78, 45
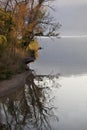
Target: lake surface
55, 94
67, 56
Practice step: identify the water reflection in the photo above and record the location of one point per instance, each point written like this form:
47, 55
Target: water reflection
30, 107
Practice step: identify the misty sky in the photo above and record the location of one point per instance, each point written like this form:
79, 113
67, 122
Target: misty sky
72, 14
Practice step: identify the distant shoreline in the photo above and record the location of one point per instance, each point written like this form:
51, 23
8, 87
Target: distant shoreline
74, 36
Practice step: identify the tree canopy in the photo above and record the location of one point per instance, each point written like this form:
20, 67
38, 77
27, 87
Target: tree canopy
21, 21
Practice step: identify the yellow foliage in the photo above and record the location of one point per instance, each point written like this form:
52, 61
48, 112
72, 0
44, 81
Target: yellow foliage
34, 45
36, 54
3, 40
31, 26
21, 12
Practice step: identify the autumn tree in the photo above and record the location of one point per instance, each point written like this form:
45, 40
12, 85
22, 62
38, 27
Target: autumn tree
21, 21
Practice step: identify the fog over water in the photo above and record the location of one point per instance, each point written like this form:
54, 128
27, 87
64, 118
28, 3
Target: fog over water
46, 98
71, 101
67, 56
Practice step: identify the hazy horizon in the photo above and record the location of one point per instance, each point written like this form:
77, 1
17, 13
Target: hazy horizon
72, 15
73, 36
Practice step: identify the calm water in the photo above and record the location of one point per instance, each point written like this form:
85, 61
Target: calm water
55, 94
67, 56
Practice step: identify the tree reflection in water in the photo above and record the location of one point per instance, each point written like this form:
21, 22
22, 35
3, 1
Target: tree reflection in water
29, 107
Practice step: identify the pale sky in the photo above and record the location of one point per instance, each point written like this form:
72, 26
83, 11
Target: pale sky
72, 14
70, 2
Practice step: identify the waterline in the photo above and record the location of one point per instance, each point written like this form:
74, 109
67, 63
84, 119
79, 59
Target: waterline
77, 36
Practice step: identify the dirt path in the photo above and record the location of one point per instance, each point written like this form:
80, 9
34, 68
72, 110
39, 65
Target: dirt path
16, 82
